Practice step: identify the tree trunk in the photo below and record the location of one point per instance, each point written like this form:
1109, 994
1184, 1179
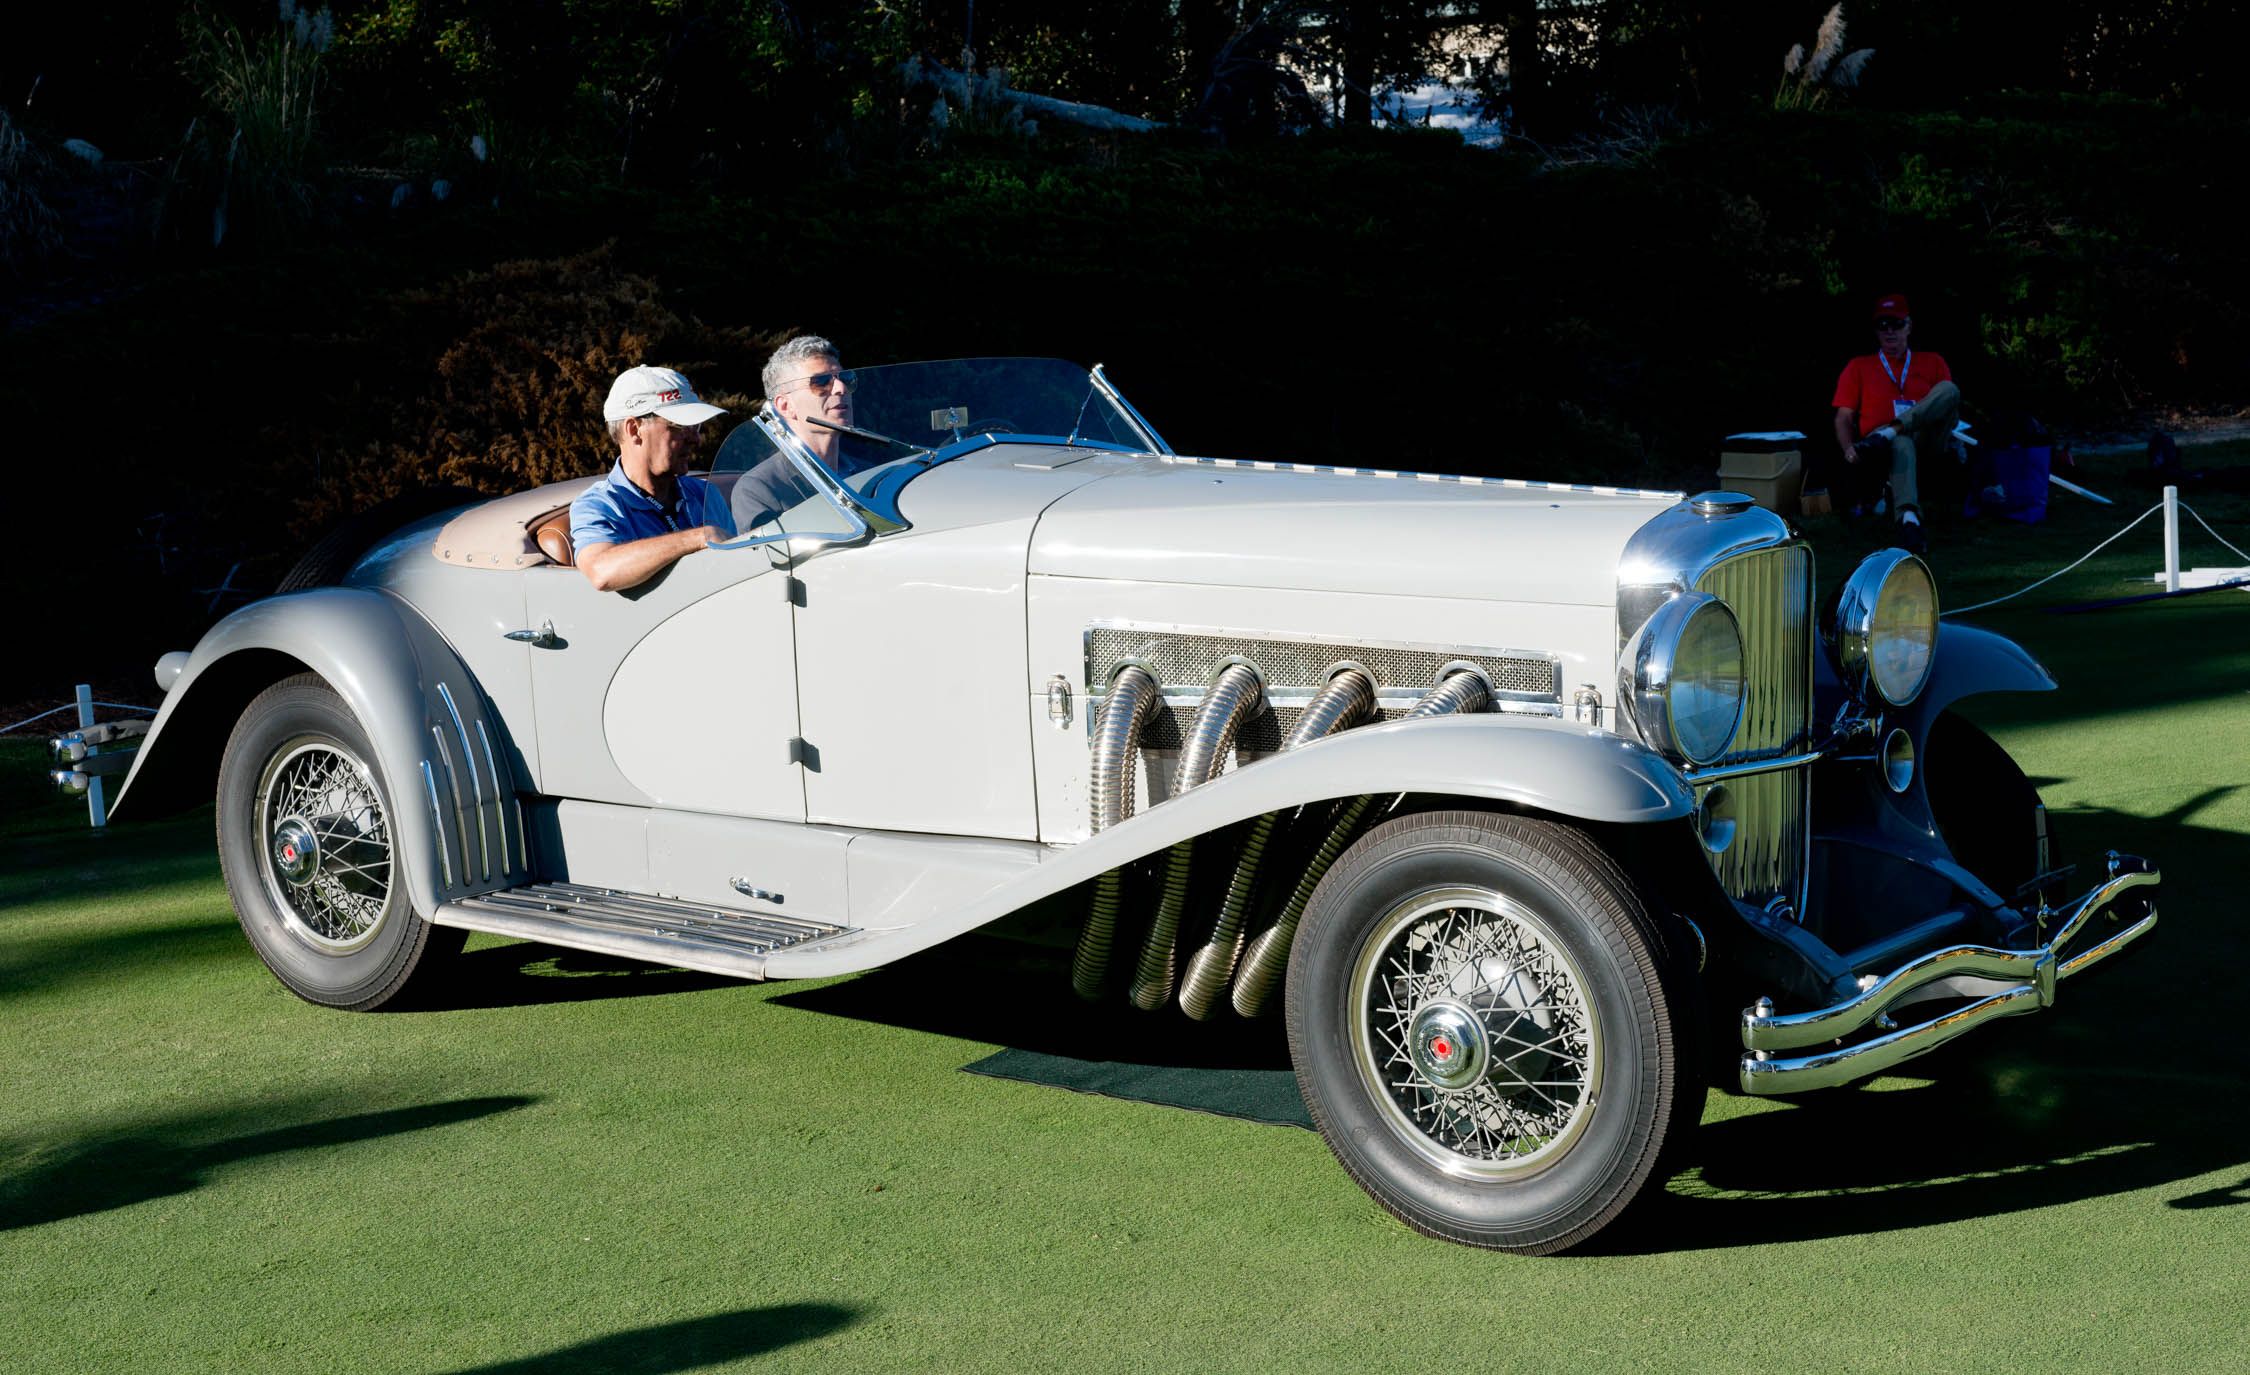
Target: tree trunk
1361, 31
1527, 61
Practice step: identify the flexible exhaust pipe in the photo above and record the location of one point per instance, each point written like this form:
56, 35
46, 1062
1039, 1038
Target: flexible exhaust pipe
1133, 697
1267, 957
1350, 694
1236, 694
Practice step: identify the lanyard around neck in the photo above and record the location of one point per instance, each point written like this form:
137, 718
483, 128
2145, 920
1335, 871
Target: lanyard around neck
1898, 379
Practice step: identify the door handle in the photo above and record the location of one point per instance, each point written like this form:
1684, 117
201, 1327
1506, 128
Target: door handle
543, 638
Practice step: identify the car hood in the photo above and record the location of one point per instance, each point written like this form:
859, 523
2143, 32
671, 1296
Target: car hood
1224, 523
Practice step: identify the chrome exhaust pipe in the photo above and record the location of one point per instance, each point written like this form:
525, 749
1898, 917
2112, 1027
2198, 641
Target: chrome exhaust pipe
1350, 694
1133, 696
1236, 694
1267, 956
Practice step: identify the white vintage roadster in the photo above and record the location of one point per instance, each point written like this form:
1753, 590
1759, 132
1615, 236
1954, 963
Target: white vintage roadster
1526, 805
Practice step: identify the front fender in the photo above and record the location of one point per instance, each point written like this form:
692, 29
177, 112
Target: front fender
1970, 661
445, 757
1574, 772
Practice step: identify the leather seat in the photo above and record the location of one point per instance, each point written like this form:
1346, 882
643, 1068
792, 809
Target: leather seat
551, 532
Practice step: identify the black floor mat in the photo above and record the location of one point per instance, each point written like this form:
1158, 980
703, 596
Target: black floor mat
1254, 1095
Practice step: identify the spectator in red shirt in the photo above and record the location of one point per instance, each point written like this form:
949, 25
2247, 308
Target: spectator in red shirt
1892, 403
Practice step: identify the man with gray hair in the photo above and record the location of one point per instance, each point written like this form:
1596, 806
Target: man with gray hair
648, 513
808, 386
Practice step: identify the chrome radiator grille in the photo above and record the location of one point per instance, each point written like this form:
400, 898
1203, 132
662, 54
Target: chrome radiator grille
1771, 592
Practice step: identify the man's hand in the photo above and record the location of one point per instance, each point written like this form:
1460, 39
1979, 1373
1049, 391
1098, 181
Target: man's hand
615, 567
1847, 433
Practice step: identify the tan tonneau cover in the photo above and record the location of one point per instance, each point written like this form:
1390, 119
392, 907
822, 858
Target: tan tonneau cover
498, 533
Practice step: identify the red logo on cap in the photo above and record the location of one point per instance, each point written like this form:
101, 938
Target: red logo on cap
668, 397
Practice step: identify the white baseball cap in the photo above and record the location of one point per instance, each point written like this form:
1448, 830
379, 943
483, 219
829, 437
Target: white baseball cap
657, 391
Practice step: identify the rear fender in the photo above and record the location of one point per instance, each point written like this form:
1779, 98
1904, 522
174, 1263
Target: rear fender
444, 755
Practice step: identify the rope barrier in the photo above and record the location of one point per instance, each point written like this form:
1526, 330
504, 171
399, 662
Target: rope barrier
2199, 520
114, 706
1965, 610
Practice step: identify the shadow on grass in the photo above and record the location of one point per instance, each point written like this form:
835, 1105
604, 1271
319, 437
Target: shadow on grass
691, 1344
2199, 650
118, 1170
2132, 1082
529, 974
42, 963
1010, 993
78, 864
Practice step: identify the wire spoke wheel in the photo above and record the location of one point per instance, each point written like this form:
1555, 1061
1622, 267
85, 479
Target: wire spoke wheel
1472, 1028
1484, 1031
309, 847
328, 844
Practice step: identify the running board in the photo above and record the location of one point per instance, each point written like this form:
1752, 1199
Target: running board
687, 935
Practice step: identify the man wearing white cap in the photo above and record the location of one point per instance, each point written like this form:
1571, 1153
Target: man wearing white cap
638, 521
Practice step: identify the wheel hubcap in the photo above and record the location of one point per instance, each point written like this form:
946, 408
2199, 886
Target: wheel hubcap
296, 852
1474, 1033
328, 845
1449, 1046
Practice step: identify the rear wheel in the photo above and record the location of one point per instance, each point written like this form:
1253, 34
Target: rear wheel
1482, 1029
309, 856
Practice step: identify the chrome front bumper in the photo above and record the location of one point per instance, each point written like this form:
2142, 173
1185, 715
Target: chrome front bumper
2003, 982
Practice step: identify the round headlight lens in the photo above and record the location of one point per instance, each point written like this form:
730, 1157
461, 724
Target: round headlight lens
1707, 683
1687, 678
1886, 627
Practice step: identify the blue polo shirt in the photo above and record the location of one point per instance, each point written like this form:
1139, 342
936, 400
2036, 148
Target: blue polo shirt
614, 511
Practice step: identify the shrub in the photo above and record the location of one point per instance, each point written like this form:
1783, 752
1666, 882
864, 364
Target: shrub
501, 380
252, 163
1809, 80
29, 228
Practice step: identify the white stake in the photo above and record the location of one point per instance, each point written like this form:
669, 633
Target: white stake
2069, 486
2171, 539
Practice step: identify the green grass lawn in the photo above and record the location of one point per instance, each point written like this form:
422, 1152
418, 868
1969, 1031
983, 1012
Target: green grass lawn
577, 1164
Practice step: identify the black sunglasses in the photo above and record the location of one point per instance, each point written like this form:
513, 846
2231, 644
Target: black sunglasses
821, 381
1887, 323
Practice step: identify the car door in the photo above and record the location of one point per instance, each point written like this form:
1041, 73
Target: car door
680, 693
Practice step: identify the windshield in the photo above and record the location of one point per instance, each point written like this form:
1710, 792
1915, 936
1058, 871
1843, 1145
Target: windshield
912, 416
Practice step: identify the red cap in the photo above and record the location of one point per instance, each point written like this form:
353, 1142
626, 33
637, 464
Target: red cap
1893, 305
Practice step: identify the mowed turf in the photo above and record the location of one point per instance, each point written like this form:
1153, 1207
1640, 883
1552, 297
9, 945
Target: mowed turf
579, 1164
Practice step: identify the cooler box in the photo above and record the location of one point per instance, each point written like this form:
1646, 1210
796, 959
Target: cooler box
1767, 466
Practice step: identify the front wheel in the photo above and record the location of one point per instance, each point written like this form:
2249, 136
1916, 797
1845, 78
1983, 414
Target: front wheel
1481, 1027
309, 855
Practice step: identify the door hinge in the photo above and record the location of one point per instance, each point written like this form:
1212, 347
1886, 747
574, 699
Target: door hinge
796, 749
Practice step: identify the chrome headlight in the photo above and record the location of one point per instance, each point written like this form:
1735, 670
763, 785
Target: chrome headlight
1886, 627
1683, 676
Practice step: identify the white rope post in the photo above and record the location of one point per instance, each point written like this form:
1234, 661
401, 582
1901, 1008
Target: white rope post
96, 811
2171, 539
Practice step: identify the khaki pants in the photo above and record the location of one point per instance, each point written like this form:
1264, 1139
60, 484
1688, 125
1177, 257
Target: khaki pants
1928, 422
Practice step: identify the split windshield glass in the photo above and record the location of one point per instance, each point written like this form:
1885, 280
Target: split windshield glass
930, 411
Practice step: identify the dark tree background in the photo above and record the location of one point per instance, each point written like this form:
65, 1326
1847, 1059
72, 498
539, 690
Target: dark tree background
328, 253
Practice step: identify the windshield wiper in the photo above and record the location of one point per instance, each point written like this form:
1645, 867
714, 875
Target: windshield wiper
857, 433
